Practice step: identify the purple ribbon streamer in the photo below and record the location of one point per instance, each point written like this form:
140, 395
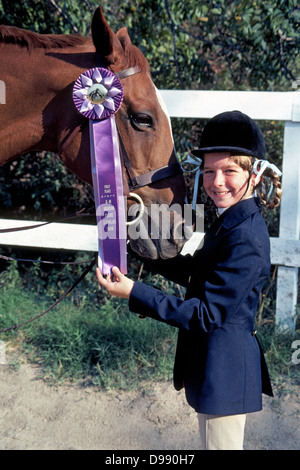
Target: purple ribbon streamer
109, 198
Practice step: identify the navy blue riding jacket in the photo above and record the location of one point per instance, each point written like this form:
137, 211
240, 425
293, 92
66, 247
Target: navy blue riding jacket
218, 360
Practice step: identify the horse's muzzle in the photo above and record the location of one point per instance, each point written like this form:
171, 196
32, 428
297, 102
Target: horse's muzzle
160, 233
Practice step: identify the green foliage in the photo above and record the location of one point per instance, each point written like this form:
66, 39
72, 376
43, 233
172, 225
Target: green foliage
41, 186
11, 278
190, 44
48, 16
218, 45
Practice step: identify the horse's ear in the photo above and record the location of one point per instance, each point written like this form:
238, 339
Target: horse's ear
123, 37
105, 40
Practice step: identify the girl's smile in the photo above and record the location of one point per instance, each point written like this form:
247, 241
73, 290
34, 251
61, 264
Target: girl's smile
224, 181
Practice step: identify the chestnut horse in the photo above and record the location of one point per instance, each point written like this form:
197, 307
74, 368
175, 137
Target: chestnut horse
39, 72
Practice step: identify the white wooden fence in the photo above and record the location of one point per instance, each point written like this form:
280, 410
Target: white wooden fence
285, 250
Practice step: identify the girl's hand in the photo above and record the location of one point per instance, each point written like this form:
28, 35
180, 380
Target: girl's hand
118, 284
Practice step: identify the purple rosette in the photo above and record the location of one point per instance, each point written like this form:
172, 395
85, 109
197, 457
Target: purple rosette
98, 93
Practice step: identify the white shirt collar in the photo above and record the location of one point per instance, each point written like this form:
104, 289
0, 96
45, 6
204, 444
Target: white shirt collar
223, 209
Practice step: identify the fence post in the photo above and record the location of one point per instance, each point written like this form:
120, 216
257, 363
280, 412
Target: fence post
2, 92
289, 228
2, 353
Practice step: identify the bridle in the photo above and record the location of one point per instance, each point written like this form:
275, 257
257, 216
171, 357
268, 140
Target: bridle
131, 182
135, 182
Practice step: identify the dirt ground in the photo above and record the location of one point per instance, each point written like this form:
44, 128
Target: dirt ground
36, 416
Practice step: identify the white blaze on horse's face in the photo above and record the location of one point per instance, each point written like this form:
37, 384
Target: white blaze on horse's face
165, 109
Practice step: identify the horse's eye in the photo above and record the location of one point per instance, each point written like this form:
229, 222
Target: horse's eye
141, 120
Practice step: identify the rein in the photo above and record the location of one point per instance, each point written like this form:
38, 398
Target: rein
65, 294
30, 227
69, 290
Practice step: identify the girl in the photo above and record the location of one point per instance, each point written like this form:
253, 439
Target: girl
219, 361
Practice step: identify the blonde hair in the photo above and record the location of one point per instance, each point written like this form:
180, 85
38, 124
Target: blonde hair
268, 180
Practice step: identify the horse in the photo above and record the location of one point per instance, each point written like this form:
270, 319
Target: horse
39, 72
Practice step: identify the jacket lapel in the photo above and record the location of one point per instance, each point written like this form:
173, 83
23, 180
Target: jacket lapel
234, 215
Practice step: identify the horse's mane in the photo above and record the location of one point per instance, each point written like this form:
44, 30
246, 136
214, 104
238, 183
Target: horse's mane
32, 40
29, 39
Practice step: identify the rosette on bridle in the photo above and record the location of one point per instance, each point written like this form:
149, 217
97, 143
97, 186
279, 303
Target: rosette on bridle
98, 95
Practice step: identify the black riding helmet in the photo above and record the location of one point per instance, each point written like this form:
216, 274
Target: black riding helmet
234, 132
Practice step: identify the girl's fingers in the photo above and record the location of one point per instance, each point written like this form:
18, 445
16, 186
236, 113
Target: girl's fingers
116, 284
100, 278
117, 272
99, 274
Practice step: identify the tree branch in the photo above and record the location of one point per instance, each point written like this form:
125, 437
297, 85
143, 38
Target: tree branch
173, 27
60, 10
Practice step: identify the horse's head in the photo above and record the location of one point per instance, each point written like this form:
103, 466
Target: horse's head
42, 116
146, 133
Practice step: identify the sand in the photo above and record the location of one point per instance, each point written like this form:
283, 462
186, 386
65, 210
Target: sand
37, 416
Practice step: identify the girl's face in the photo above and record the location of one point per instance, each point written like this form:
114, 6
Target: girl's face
224, 181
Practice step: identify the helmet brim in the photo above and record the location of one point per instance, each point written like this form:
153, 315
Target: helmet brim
232, 150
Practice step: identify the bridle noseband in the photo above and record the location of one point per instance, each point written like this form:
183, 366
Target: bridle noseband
134, 182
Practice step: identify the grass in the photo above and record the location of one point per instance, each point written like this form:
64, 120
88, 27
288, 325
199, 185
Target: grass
106, 346
96, 340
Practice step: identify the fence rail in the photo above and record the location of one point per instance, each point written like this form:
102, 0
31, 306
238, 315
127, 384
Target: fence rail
285, 250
